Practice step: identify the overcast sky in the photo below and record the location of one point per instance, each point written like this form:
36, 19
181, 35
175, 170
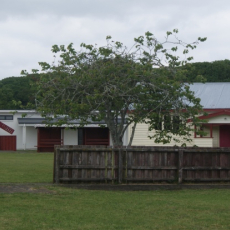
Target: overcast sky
29, 28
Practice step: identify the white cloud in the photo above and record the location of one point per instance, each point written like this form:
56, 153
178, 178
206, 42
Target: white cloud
29, 28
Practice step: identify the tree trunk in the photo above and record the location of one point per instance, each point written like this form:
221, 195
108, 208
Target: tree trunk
117, 141
132, 134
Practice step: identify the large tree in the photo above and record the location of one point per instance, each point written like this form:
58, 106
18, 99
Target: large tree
217, 71
17, 92
121, 86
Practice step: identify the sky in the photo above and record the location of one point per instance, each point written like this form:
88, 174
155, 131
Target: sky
29, 28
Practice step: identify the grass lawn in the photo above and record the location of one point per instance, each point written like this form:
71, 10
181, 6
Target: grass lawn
82, 209
69, 208
26, 167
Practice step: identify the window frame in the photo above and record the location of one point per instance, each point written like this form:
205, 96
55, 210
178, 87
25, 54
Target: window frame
6, 117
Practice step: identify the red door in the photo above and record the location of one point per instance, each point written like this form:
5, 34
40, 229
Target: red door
225, 136
96, 136
8, 143
47, 138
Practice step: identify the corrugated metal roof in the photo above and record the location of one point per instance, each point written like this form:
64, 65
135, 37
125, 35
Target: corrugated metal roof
27, 121
37, 121
213, 95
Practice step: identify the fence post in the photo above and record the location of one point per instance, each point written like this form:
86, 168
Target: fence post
106, 166
126, 165
113, 163
56, 178
54, 164
120, 166
180, 166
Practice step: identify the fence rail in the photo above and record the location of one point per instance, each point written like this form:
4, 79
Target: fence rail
73, 164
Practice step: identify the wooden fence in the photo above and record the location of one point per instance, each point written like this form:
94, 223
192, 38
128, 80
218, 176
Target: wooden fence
74, 164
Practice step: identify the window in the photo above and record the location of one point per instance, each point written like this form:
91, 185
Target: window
167, 122
176, 123
157, 123
80, 136
6, 117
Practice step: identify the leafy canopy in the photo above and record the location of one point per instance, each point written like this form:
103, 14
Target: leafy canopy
217, 71
121, 86
17, 92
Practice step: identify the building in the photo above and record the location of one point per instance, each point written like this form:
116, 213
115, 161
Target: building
20, 132
30, 132
215, 99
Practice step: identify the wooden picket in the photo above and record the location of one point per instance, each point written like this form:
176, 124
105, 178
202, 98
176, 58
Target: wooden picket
74, 164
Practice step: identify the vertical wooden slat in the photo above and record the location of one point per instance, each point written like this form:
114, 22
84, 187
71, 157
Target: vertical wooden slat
74, 162
126, 165
70, 162
141, 164
120, 166
54, 164
106, 166
113, 164
180, 165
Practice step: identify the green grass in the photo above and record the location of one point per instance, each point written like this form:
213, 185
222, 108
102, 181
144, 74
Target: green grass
69, 208
83, 209
26, 167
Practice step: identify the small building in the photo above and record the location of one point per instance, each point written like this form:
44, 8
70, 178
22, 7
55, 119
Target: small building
19, 132
215, 99
31, 133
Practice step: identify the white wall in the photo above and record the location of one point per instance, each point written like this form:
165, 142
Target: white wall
70, 137
14, 125
31, 132
31, 138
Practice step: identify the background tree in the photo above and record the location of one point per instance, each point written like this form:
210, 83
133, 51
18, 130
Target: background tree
120, 86
217, 71
17, 92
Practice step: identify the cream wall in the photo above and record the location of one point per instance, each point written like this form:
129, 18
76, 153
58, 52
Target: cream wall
141, 138
222, 119
216, 136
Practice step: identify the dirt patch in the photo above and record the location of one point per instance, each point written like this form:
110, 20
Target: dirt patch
145, 187
42, 188
24, 188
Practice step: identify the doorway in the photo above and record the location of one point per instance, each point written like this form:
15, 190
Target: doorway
93, 136
224, 135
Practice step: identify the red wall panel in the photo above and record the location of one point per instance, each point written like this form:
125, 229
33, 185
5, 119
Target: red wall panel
8, 143
224, 135
47, 138
96, 136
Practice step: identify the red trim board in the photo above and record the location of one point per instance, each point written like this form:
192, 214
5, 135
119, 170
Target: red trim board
6, 128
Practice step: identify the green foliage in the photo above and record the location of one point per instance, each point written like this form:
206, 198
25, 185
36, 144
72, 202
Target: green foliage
117, 85
17, 92
217, 71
